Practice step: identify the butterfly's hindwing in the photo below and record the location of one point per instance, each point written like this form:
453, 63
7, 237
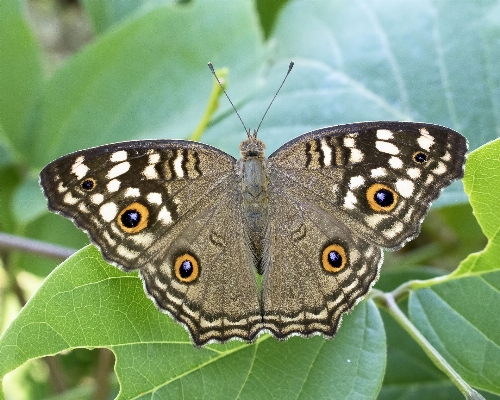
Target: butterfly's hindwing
305, 292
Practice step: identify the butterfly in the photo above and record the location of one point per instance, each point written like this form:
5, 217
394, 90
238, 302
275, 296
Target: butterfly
312, 219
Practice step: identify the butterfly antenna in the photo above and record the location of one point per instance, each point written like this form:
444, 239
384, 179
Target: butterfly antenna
234, 108
284, 79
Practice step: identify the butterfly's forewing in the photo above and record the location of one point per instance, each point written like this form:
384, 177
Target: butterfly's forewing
379, 178
336, 196
171, 210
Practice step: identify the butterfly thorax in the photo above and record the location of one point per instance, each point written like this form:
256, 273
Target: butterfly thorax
254, 182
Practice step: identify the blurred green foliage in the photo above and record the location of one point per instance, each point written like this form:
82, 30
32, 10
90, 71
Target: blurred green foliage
143, 75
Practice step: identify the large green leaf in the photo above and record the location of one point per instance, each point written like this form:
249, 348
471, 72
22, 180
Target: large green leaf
421, 60
20, 72
459, 314
87, 303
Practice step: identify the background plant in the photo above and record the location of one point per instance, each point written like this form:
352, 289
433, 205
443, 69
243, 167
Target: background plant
143, 75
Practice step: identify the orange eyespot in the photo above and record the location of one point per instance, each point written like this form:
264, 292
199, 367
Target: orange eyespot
133, 218
88, 184
381, 197
186, 268
334, 258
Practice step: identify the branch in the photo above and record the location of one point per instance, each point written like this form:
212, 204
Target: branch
13, 242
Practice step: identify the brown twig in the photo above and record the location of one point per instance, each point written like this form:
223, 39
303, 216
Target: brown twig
13, 242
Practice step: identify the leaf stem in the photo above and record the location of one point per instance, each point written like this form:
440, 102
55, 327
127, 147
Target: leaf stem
388, 302
213, 104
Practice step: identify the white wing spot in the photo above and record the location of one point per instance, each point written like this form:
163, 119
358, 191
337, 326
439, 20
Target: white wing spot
394, 230
384, 134
97, 198
154, 198
413, 173
405, 187
113, 185
386, 147
150, 172
132, 192
395, 162
446, 157
83, 208
429, 179
407, 217
79, 168
350, 200
327, 152
356, 156
118, 156
69, 199
374, 219
425, 140
378, 172
356, 182
126, 252
109, 239
440, 169
160, 284
349, 142
153, 158
118, 170
143, 239
165, 216
108, 211
61, 188
178, 165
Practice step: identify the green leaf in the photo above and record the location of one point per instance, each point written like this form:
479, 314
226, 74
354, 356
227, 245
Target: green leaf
483, 168
155, 355
28, 204
148, 78
460, 318
20, 72
358, 61
104, 14
458, 313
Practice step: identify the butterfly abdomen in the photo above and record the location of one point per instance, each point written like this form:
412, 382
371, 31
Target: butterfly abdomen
255, 200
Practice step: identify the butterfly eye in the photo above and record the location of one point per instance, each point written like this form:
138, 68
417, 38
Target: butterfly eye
88, 184
381, 197
420, 157
133, 218
333, 258
186, 268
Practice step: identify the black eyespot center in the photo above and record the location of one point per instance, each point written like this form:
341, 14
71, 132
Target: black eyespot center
335, 259
186, 269
384, 198
88, 184
131, 218
420, 157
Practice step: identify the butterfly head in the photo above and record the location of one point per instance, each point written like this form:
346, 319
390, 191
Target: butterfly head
252, 147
